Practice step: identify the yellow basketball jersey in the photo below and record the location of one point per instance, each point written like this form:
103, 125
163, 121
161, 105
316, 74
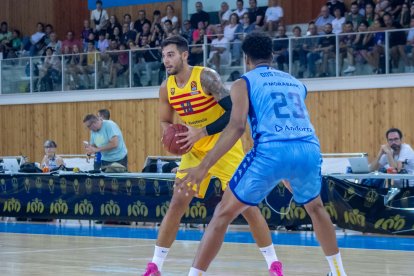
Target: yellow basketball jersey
195, 108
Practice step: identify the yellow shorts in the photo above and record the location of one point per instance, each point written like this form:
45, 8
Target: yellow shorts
223, 169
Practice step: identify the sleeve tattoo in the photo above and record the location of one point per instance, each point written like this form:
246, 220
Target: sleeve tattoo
212, 84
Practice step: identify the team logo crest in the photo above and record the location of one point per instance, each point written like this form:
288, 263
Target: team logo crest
193, 86
172, 91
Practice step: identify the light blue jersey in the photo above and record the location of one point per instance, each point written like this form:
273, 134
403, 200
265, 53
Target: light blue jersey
285, 144
277, 109
102, 137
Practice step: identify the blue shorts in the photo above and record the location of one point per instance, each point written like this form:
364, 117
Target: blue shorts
269, 163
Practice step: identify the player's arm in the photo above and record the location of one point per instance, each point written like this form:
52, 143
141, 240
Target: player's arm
212, 85
229, 137
166, 112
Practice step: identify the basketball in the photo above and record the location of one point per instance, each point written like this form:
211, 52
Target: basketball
170, 140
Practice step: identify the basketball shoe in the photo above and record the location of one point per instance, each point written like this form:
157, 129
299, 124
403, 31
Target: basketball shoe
152, 270
276, 269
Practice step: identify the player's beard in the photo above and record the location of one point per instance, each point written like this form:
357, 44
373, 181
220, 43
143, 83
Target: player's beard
176, 69
396, 148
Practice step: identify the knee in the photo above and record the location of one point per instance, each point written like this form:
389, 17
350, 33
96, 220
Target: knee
314, 207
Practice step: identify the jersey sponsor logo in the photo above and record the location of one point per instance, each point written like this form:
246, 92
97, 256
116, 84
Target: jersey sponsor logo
193, 86
293, 128
172, 91
278, 128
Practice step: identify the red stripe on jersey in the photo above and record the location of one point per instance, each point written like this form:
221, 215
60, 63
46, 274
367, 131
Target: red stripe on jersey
196, 105
185, 95
198, 111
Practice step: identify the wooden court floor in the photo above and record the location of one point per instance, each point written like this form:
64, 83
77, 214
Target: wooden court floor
44, 254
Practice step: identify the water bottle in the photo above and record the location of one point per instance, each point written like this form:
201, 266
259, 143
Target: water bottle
97, 161
159, 165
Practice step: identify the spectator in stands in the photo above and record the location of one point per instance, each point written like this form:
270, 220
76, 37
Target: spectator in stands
48, 31
394, 155
410, 44
170, 15
396, 7
128, 34
363, 43
280, 48
382, 7
156, 19
273, 16
55, 43
5, 38
297, 42
257, 14
230, 34
106, 137
326, 49
99, 18
49, 72
50, 159
113, 23
119, 66
199, 16
245, 28
219, 50
117, 35
346, 50
375, 56
89, 67
338, 22
70, 41
309, 54
187, 31
224, 13
323, 19
15, 45
141, 21
403, 17
146, 31
196, 50
369, 13
397, 42
169, 28
150, 60
354, 16
334, 4
128, 20
412, 10
157, 36
103, 43
85, 34
35, 43
240, 10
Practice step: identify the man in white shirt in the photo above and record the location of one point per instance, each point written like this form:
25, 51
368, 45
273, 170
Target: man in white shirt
219, 50
99, 17
224, 13
240, 10
273, 16
395, 155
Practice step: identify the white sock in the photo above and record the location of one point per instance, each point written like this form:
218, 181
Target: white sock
196, 272
269, 254
160, 253
335, 263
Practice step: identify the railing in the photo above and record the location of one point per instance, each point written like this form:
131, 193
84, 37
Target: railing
301, 57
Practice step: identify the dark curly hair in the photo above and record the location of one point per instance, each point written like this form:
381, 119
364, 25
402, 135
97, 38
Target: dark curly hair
177, 40
258, 46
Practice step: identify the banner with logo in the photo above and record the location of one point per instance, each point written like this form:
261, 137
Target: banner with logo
120, 3
98, 197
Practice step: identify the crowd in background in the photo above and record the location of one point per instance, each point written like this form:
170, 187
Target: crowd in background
107, 35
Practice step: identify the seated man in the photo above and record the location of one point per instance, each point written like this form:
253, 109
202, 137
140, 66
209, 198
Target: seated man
394, 156
220, 50
106, 137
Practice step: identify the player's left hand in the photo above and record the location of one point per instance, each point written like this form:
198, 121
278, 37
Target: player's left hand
190, 183
190, 137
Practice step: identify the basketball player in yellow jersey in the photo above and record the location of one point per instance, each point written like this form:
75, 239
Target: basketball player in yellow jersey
203, 104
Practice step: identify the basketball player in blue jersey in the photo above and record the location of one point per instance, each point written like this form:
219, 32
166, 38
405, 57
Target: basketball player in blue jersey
285, 147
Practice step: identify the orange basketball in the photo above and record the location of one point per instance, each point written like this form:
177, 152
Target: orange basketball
169, 139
